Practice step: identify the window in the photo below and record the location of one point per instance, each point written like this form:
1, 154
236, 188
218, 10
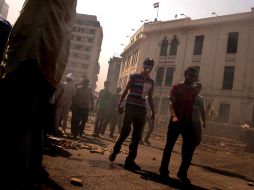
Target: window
169, 76
164, 47
90, 40
86, 66
224, 112
173, 47
232, 42
159, 76
228, 78
92, 31
164, 106
198, 46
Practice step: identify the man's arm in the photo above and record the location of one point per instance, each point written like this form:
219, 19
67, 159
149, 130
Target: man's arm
125, 92
150, 101
171, 104
98, 101
202, 112
91, 100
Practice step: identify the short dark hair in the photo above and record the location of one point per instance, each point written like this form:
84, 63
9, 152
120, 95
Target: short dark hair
190, 69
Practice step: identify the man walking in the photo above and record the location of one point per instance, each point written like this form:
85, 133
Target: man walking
181, 101
139, 86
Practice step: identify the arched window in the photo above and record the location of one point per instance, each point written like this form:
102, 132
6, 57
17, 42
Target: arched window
173, 47
164, 47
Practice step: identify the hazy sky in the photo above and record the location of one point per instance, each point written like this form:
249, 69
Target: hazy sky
119, 17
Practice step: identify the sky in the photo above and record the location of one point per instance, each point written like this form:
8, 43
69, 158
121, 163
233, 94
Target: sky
120, 18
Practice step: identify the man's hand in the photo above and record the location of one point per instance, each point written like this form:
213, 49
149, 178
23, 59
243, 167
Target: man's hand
174, 118
120, 109
152, 117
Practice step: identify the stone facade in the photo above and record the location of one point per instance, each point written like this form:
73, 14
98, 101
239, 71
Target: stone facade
221, 48
4, 9
85, 49
113, 72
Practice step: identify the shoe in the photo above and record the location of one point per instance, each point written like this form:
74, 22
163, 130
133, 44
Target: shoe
112, 157
131, 166
184, 179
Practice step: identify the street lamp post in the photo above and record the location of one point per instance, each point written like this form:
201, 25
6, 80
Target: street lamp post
214, 13
184, 15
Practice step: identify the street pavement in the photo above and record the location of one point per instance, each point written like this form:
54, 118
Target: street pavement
87, 160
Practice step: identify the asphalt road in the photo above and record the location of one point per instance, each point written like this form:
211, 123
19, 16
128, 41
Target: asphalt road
87, 159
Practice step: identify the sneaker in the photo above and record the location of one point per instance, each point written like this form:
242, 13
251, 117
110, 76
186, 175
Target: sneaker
131, 166
112, 157
184, 179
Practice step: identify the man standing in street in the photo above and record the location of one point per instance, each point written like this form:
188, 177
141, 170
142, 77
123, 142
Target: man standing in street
139, 86
63, 102
181, 101
82, 102
33, 64
198, 114
115, 117
103, 109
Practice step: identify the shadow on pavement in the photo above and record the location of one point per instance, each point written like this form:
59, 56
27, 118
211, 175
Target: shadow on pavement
54, 151
224, 172
52, 185
174, 183
47, 183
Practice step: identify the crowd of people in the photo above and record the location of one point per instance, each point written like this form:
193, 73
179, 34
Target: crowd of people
30, 81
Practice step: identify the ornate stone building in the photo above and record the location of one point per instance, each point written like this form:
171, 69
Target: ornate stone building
222, 50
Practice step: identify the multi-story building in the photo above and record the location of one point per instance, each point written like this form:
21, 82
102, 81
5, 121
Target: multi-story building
1, 4
4, 8
113, 72
85, 49
221, 48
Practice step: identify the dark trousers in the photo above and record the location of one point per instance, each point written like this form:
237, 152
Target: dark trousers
102, 120
116, 120
134, 116
188, 146
24, 100
78, 120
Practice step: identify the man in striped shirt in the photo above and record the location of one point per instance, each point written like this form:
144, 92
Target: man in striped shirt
139, 87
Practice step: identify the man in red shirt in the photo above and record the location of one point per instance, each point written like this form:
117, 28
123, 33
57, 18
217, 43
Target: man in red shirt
181, 101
